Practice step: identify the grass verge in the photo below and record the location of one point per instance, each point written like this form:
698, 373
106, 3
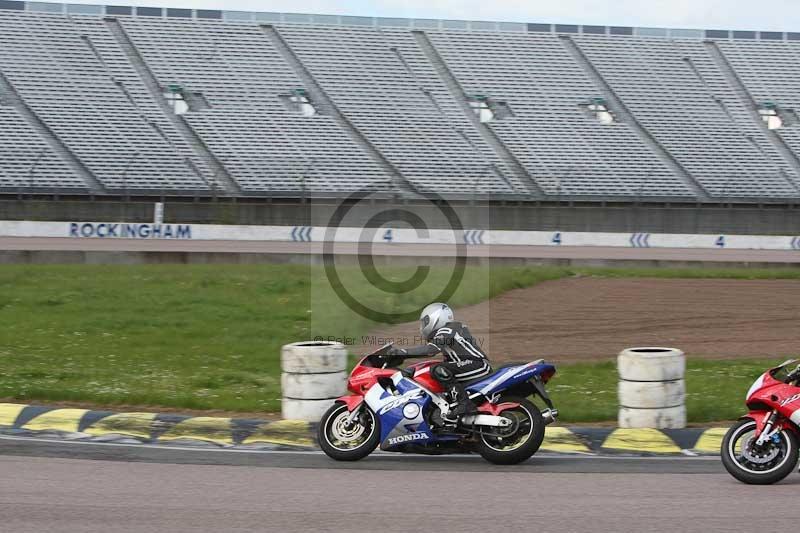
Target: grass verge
208, 336
587, 392
196, 336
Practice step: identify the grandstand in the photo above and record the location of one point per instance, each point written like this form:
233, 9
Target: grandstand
118, 101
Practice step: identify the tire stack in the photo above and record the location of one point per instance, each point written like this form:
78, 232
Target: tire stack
313, 375
652, 390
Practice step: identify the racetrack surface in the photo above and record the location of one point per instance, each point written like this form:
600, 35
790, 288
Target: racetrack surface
182, 489
315, 459
401, 250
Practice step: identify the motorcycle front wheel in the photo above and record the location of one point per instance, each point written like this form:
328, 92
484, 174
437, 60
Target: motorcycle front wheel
519, 441
345, 440
758, 465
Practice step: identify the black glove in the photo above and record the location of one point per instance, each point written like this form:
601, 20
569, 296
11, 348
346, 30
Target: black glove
396, 352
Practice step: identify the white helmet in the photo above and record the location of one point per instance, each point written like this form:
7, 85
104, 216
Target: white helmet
433, 317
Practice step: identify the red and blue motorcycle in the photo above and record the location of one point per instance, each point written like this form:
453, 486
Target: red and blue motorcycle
402, 410
762, 448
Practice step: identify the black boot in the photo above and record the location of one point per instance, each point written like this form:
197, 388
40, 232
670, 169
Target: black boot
460, 403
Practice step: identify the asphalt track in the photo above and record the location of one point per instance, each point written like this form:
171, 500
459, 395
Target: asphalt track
405, 250
64, 486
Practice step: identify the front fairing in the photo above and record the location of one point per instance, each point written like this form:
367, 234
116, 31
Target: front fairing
757, 385
768, 393
363, 377
757, 390
401, 412
772, 381
771, 387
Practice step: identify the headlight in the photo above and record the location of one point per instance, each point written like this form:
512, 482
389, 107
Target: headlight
411, 411
757, 384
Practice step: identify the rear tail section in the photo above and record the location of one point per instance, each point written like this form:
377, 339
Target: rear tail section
508, 377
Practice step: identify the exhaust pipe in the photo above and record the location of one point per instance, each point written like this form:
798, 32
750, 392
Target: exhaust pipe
549, 415
485, 420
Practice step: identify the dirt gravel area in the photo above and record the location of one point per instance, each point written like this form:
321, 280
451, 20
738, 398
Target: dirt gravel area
588, 318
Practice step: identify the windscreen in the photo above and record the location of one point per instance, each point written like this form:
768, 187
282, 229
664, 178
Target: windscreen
782, 372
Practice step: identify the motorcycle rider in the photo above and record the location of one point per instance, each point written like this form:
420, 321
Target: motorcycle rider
463, 359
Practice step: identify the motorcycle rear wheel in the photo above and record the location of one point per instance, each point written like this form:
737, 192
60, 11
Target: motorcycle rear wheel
348, 443
764, 466
522, 440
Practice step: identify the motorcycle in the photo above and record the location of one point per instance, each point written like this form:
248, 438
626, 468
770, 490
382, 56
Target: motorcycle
762, 448
404, 410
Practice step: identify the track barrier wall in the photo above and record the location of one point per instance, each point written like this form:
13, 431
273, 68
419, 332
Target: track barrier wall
566, 216
390, 235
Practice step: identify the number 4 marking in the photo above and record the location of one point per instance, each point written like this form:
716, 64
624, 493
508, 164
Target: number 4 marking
720, 241
556, 238
387, 236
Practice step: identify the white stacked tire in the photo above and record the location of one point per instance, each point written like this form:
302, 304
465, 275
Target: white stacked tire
652, 390
313, 376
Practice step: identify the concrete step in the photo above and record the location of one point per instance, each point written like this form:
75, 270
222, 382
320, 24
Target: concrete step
9, 94
328, 106
221, 178
507, 159
627, 117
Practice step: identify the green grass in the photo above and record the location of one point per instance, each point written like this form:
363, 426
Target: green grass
209, 336
587, 392
199, 336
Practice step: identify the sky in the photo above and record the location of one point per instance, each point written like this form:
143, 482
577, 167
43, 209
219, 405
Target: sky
778, 15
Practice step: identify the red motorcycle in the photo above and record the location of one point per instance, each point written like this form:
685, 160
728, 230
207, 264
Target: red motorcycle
762, 448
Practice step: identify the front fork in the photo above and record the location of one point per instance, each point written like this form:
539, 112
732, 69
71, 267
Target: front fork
351, 417
770, 427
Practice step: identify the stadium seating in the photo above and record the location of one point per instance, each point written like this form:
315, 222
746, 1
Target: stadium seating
565, 150
769, 71
656, 80
265, 145
285, 105
26, 162
48, 62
